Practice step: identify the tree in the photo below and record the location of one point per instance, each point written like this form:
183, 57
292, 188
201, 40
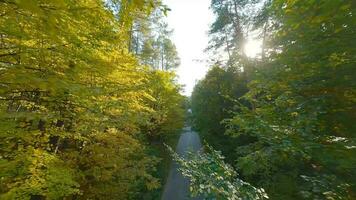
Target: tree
298, 116
151, 42
212, 178
302, 121
212, 101
73, 101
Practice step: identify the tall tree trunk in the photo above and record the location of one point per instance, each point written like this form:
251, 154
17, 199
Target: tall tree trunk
227, 45
238, 31
130, 38
263, 52
162, 57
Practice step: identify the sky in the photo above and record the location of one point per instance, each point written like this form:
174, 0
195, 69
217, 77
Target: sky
190, 20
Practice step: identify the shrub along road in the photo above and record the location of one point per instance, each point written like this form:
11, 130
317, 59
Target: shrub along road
177, 186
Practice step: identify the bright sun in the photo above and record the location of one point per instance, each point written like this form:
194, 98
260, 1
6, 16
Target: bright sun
253, 48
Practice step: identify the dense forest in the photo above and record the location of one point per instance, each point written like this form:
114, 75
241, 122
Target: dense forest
285, 120
87, 97
89, 101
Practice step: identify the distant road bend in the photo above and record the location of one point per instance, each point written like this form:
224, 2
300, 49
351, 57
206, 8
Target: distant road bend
177, 186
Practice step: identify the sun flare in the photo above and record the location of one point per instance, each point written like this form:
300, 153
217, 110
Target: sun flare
253, 48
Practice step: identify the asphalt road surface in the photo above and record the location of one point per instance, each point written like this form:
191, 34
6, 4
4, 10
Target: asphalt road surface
177, 186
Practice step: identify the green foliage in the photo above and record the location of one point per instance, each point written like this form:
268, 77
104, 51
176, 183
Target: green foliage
210, 177
303, 121
75, 103
150, 41
234, 19
212, 101
296, 137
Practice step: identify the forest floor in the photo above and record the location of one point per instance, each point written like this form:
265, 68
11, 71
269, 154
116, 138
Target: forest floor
177, 186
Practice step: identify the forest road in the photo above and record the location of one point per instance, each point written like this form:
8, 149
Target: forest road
177, 186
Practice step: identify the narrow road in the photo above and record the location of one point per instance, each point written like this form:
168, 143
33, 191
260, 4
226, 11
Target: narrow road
177, 186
